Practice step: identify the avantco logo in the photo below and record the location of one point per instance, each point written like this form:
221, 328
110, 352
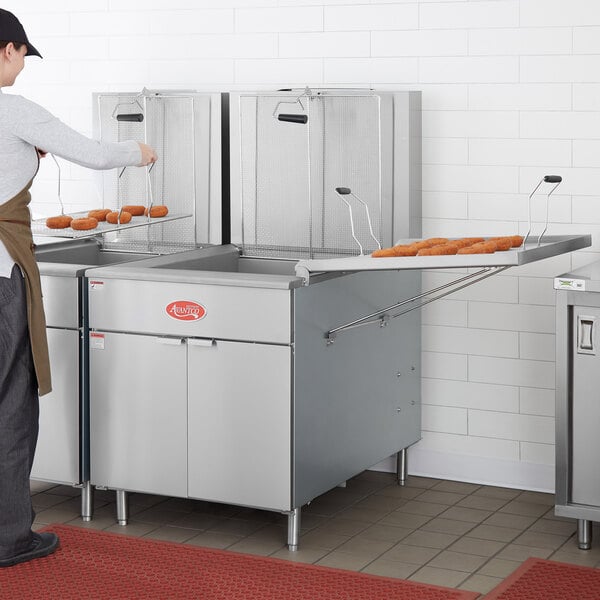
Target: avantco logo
185, 310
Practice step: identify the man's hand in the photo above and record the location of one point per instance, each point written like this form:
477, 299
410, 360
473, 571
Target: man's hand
149, 156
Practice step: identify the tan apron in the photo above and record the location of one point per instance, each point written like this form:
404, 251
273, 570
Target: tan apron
15, 233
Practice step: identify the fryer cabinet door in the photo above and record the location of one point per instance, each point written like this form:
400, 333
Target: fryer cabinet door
239, 423
138, 412
57, 453
585, 409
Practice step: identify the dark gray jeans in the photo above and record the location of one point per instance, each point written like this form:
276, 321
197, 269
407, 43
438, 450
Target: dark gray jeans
19, 413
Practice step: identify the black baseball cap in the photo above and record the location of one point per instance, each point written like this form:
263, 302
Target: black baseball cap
11, 30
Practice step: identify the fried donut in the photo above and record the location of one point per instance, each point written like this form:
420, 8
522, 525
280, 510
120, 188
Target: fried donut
517, 240
405, 250
464, 242
436, 241
430, 242
135, 210
160, 210
479, 248
383, 253
502, 243
58, 222
99, 214
113, 217
84, 223
399, 250
439, 250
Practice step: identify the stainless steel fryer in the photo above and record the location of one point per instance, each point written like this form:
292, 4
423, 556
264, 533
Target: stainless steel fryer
239, 333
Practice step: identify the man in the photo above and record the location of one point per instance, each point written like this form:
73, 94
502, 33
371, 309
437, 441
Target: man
27, 132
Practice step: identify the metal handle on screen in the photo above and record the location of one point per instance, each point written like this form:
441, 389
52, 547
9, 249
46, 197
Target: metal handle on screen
136, 117
150, 195
123, 169
131, 117
293, 118
62, 207
345, 191
556, 179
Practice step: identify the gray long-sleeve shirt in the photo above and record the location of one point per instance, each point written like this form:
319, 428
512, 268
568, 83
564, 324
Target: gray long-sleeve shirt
24, 126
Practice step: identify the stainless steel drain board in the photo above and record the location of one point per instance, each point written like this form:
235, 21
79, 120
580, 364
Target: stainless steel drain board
532, 252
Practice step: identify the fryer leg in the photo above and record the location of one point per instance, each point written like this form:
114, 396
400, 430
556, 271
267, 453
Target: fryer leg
584, 534
87, 501
122, 507
401, 468
293, 529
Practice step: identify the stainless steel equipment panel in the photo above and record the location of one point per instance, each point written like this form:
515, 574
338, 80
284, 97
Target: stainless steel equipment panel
211, 311
61, 301
138, 434
57, 457
357, 400
577, 405
585, 409
239, 423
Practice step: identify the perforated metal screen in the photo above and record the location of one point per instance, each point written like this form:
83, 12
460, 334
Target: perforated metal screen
168, 126
289, 173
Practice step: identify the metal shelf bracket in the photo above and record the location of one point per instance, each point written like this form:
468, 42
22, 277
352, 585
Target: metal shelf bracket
384, 315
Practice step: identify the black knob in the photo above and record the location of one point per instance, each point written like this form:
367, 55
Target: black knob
132, 117
293, 118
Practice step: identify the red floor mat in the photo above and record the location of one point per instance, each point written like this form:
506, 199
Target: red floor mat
98, 565
538, 579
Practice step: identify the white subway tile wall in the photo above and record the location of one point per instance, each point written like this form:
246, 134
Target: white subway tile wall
511, 92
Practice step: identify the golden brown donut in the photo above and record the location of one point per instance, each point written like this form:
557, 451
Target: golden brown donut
114, 218
479, 248
58, 222
502, 243
474, 240
439, 250
84, 223
428, 243
135, 210
99, 214
405, 250
383, 253
399, 250
464, 242
160, 210
517, 240
436, 241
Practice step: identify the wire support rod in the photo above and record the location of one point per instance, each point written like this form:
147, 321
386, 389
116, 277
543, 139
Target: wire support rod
381, 316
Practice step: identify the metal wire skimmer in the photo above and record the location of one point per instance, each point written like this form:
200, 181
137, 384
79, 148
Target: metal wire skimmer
62, 207
556, 179
344, 191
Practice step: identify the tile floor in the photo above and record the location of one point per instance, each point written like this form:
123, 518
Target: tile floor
434, 531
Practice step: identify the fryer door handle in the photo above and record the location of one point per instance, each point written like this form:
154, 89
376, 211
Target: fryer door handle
585, 334
169, 341
202, 342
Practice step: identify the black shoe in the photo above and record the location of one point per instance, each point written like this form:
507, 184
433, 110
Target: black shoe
42, 545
